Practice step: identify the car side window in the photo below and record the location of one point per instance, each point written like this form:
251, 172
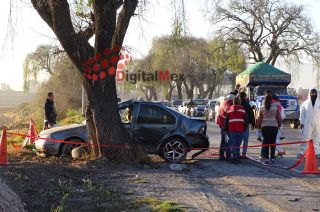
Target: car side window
151, 114
126, 115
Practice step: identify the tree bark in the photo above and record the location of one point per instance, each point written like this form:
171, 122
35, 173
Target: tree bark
179, 89
189, 89
103, 117
170, 90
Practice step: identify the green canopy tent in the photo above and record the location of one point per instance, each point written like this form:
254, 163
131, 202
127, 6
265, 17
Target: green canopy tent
263, 73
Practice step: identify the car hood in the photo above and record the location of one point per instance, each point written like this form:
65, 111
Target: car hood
59, 129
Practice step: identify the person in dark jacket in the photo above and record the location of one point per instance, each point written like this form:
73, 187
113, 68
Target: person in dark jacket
50, 111
251, 121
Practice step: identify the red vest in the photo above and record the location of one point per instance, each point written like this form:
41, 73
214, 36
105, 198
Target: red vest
224, 107
237, 117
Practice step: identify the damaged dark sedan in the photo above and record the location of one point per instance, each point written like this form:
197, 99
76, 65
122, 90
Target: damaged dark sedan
162, 130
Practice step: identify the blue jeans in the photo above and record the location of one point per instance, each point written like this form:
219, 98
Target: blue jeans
224, 143
235, 141
245, 139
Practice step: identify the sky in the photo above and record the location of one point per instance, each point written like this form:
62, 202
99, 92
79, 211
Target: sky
30, 31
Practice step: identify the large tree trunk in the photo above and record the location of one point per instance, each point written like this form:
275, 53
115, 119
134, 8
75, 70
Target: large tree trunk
104, 122
211, 90
153, 92
102, 102
170, 90
189, 89
179, 89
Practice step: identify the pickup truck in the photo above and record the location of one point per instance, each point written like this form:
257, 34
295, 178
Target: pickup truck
161, 129
261, 77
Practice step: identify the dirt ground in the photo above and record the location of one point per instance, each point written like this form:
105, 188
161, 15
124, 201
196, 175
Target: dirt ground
53, 184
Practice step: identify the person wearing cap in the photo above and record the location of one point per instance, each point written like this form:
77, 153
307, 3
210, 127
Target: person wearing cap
235, 124
309, 122
224, 152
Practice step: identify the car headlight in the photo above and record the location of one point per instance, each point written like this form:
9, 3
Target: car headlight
203, 130
45, 135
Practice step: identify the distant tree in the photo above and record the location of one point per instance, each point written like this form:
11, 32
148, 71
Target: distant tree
5, 87
269, 29
226, 60
41, 60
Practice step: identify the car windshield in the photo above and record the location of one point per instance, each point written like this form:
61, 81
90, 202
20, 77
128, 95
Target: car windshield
177, 102
260, 91
212, 104
200, 102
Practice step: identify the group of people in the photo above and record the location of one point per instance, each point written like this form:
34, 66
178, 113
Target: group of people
236, 117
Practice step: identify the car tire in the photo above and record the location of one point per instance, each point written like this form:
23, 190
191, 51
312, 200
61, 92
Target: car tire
67, 148
79, 152
174, 150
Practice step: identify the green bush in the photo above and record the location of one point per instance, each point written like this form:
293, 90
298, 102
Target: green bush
72, 116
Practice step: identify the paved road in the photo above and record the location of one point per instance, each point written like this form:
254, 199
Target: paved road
289, 134
212, 185
251, 186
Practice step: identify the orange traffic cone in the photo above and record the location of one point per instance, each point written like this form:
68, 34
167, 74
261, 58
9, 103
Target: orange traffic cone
3, 149
32, 133
311, 164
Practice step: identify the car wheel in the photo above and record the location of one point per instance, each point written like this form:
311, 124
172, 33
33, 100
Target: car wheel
174, 150
67, 148
79, 152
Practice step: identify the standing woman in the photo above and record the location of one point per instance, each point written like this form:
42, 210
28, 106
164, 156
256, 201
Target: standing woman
269, 121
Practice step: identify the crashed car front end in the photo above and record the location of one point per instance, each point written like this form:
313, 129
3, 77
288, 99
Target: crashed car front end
195, 131
45, 146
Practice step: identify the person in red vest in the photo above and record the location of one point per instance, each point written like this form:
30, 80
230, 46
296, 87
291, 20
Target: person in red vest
235, 124
224, 151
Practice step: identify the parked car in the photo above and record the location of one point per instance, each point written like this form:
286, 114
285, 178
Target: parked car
187, 107
199, 109
163, 130
167, 103
210, 110
176, 103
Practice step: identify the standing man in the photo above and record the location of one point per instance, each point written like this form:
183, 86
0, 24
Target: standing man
222, 113
251, 120
236, 122
309, 122
50, 112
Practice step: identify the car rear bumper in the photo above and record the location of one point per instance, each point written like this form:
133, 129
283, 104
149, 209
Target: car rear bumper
198, 141
291, 115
